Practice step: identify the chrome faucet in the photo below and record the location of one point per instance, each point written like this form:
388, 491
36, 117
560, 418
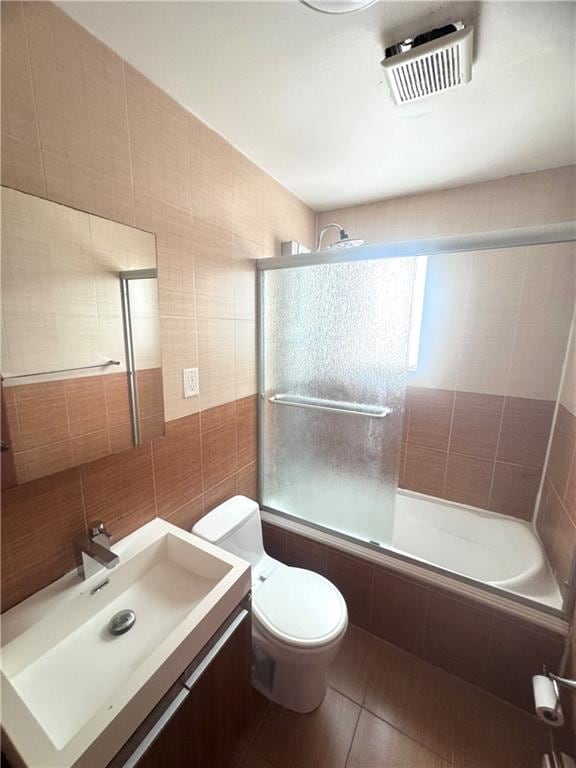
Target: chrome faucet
93, 551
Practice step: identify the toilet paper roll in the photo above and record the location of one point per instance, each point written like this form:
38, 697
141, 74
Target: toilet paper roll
546, 701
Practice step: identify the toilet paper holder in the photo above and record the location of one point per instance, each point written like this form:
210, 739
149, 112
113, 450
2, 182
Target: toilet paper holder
559, 682
547, 702
564, 682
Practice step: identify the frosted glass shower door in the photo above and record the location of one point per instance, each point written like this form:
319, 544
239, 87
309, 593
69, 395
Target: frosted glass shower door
334, 341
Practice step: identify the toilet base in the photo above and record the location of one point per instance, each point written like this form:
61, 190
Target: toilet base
295, 681
296, 688
299, 688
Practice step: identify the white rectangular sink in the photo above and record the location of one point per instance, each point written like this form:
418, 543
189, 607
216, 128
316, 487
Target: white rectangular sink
72, 693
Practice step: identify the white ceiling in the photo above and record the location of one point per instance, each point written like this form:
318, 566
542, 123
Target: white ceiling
303, 94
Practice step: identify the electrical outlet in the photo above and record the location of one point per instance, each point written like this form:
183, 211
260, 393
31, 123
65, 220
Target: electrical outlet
191, 384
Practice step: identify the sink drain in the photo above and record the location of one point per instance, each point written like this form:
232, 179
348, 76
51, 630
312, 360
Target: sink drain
121, 622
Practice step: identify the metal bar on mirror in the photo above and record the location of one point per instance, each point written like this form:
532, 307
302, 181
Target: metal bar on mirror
335, 406
139, 274
130, 363
63, 370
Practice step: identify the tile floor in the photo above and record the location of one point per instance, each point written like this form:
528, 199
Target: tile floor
386, 708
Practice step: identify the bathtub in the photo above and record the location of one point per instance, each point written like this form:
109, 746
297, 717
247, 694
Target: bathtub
497, 550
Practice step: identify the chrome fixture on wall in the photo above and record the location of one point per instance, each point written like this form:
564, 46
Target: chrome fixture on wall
293, 248
345, 240
93, 551
334, 406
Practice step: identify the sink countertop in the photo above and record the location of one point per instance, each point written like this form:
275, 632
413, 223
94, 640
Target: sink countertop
183, 587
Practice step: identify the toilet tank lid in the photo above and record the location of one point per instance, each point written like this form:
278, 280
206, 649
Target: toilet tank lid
224, 519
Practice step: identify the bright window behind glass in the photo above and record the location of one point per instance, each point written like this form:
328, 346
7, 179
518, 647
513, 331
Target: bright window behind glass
416, 315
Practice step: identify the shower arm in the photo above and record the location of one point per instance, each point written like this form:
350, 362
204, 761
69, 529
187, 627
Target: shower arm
341, 230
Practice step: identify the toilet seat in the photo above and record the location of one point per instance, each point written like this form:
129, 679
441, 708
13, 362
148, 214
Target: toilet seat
299, 608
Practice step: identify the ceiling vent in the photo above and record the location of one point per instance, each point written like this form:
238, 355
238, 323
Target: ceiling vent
430, 63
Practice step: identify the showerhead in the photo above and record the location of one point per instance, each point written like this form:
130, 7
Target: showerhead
339, 7
344, 242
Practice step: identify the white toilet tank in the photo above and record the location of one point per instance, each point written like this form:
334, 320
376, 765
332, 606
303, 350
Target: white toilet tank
235, 526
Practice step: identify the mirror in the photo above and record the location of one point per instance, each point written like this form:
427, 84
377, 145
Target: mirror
81, 364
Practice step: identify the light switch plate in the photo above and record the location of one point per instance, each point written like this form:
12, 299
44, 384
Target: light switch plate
191, 383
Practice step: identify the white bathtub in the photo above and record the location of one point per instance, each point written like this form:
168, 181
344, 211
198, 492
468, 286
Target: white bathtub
498, 550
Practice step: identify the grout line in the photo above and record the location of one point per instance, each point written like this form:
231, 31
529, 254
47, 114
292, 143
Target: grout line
34, 98
464, 320
489, 645
495, 461
220, 482
236, 453
252, 739
65, 393
107, 412
19, 428
445, 475
557, 404
154, 486
194, 280
201, 451
174, 511
345, 695
424, 625
407, 735
348, 753
408, 418
508, 373
129, 146
83, 494
371, 599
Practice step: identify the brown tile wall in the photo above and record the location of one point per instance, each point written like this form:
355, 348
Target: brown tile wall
492, 650
556, 522
484, 450
200, 461
58, 425
83, 128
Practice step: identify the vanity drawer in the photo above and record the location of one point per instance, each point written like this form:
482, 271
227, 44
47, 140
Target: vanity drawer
197, 723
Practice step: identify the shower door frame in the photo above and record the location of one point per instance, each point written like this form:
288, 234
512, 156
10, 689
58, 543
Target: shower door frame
546, 234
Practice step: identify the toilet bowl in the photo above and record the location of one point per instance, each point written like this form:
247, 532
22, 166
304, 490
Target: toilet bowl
299, 618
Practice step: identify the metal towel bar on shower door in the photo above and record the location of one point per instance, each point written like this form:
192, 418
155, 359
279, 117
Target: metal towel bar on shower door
336, 406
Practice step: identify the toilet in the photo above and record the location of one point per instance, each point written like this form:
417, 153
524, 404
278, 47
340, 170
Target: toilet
299, 618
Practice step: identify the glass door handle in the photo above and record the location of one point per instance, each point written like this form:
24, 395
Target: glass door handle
336, 406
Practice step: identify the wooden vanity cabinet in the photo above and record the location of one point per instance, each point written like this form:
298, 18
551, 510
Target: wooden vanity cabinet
199, 720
